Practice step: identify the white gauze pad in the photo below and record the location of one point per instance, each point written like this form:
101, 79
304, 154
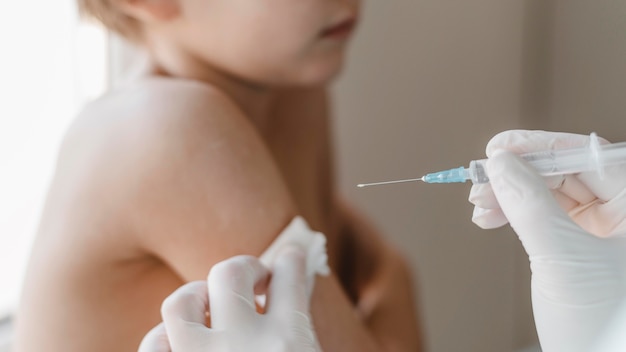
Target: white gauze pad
300, 234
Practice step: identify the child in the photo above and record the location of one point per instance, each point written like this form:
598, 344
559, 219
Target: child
209, 154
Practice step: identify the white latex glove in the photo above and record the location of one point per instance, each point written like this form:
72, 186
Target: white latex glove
235, 324
614, 338
573, 229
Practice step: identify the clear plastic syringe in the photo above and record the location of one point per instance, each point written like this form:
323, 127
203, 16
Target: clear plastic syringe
594, 157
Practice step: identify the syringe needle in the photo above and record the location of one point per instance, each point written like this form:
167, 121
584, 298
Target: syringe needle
389, 182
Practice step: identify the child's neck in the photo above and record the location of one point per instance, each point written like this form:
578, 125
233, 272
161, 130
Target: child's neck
255, 101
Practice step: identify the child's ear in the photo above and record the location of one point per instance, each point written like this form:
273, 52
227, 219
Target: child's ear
150, 10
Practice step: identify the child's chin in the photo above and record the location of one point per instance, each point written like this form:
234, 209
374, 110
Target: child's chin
311, 74
321, 74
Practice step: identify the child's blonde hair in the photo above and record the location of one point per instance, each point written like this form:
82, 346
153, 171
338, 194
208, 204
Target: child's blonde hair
105, 12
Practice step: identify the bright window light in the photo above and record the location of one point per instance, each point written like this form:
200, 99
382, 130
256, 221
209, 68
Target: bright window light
51, 64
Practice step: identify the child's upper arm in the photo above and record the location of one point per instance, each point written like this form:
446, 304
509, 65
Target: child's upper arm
188, 180
206, 187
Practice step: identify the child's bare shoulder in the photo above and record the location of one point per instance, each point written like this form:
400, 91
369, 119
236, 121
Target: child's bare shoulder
148, 106
149, 124
156, 119
171, 156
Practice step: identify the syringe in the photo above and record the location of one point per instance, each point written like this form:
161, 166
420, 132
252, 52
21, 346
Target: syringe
594, 157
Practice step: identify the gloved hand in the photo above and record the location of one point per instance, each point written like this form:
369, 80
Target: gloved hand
235, 324
613, 339
573, 229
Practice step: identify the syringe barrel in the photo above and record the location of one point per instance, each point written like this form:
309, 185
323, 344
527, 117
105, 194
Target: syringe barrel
571, 161
563, 161
559, 162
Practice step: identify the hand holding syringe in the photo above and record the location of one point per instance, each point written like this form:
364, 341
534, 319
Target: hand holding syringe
573, 227
595, 157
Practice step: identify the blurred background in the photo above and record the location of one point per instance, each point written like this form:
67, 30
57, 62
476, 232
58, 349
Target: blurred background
428, 83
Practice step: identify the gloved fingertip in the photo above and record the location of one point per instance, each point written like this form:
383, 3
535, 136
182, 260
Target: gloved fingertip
506, 167
478, 217
511, 180
512, 140
481, 195
475, 194
187, 303
497, 142
488, 219
497, 158
156, 340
